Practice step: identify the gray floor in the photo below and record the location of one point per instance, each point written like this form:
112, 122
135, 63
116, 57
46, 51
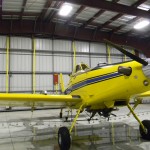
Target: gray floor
38, 131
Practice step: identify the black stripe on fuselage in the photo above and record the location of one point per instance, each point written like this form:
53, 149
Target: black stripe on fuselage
92, 80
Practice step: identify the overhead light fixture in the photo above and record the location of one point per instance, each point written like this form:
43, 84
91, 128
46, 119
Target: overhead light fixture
141, 24
65, 10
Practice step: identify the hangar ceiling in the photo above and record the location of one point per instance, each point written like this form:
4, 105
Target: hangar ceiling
90, 20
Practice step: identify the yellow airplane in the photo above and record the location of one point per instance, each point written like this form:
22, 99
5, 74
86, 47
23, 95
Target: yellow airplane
95, 90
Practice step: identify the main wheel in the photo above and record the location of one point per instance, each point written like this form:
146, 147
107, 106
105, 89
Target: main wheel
146, 135
64, 139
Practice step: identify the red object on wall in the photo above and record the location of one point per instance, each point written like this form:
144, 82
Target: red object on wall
55, 78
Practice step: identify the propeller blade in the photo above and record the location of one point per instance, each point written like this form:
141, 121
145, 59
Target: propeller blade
134, 57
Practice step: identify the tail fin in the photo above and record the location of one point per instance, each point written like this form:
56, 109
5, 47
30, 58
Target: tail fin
62, 83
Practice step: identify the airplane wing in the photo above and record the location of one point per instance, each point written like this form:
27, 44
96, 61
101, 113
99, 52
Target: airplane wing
145, 94
57, 101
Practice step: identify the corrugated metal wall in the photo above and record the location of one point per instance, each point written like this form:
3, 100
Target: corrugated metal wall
51, 56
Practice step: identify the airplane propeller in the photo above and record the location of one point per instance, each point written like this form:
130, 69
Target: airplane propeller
132, 56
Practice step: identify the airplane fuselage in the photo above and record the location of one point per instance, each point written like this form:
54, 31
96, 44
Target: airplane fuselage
103, 86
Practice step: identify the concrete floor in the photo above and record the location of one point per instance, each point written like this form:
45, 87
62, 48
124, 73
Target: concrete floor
38, 131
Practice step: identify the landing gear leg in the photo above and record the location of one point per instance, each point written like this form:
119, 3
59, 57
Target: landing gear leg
64, 139
144, 125
137, 101
61, 113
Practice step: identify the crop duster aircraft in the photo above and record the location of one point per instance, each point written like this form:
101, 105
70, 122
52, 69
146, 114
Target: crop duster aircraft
95, 90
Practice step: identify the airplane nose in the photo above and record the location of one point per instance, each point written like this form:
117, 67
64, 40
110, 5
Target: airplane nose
146, 69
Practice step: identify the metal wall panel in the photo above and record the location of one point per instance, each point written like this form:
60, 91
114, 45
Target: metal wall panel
43, 62
82, 46
20, 61
2, 83
20, 82
83, 58
44, 82
114, 51
66, 80
62, 45
97, 59
62, 63
142, 55
43, 44
3, 42
98, 48
2, 61
116, 59
20, 43
56, 57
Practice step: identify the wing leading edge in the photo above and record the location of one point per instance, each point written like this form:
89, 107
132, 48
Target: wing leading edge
145, 94
38, 100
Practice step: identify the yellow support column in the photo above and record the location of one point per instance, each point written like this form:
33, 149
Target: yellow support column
109, 55
74, 55
133, 52
113, 133
34, 65
7, 63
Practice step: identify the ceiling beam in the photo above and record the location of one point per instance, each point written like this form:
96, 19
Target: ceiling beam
68, 32
93, 18
106, 5
47, 5
100, 12
124, 25
9, 13
136, 4
75, 14
119, 15
110, 21
23, 8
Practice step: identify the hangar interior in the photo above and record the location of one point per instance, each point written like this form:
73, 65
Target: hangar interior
36, 43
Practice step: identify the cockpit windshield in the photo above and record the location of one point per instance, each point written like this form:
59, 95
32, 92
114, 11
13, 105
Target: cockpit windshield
81, 67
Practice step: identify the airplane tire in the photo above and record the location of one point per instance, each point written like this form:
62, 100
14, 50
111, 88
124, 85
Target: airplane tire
64, 139
144, 135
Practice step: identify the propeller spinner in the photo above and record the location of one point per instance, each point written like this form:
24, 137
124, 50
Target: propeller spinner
134, 57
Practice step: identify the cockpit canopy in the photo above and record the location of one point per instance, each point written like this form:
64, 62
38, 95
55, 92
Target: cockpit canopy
81, 68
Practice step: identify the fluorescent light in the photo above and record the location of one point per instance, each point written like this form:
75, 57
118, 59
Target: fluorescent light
65, 10
141, 24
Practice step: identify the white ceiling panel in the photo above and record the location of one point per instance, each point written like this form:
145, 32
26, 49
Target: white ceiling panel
126, 18
12, 5
145, 6
107, 15
116, 23
34, 5
87, 13
127, 2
